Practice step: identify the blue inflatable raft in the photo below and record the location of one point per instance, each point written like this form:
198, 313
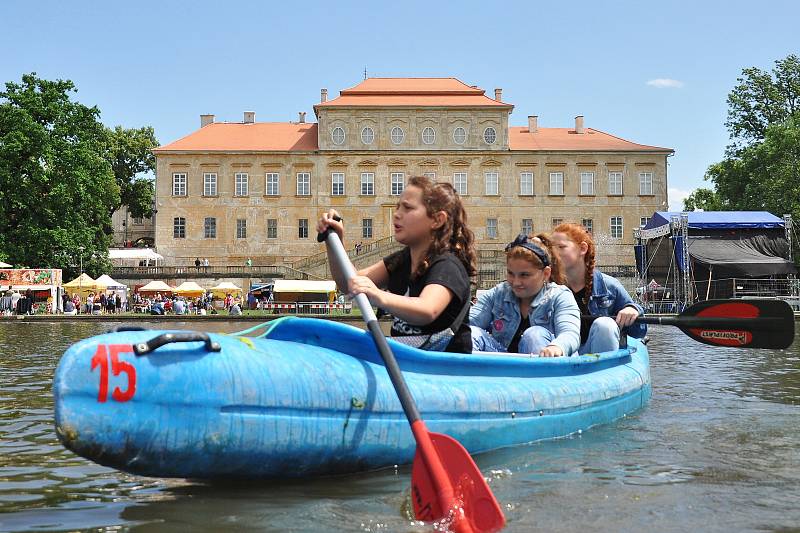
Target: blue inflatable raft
311, 397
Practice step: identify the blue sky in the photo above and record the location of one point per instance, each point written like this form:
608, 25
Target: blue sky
164, 63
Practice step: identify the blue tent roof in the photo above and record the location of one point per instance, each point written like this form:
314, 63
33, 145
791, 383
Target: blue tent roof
720, 220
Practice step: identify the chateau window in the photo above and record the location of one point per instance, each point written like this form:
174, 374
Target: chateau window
273, 184
179, 184
398, 183
643, 221
367, 183
459, 135
272, 228
366, 228
489, 135
526, 183
616, 227
397, 135
303, 184
587, 183
430, 175
556, 222
337, 184
210, 228
179, 228
460, 182
492, 186
491, 228
367, 135
428, 135
646, 183
557, 183
209, 184
588, 223
242, 184
527, 226
241, 228
337, 135
302, 228
615, 183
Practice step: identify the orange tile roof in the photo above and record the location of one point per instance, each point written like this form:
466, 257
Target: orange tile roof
295, 137
520, 138
259, 137
426, 92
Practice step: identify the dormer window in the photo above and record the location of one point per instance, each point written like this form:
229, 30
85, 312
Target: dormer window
489, 135
397, 135
337, 135
428, 135
367, 135
459, 135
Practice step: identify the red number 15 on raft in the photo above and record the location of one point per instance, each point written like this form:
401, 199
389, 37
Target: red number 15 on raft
101, 357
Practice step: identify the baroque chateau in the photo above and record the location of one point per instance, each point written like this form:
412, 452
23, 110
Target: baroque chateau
232, 191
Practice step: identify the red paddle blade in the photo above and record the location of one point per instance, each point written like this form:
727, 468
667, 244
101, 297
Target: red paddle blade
748, 323
473, 496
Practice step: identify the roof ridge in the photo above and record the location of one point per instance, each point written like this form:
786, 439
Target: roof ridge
626, 140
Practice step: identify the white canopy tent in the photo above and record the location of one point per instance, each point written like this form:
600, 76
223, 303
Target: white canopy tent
4, 265
110, 283
132, 256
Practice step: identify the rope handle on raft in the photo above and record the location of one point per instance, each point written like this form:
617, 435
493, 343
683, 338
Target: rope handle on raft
144, 348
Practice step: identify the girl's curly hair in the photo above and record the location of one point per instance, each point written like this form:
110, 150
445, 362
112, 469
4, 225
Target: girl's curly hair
453, 236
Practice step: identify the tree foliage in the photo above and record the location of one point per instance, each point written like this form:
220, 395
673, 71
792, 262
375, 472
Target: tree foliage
702, 199
130, 154
56, 182
761, 170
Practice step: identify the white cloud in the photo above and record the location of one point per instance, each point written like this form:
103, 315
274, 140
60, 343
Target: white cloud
665, 83
676, 197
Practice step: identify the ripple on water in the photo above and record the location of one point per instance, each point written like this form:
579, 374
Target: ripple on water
716, 450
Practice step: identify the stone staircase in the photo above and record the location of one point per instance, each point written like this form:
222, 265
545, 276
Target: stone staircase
317, 265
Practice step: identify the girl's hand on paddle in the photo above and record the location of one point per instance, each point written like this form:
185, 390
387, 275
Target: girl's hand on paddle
551, 350
364, 285
626, 316
327, 221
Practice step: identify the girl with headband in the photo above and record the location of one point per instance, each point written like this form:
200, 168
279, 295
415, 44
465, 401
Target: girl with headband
532, 311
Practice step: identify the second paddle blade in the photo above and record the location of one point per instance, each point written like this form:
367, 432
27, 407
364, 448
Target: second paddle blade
754, 323
472, 493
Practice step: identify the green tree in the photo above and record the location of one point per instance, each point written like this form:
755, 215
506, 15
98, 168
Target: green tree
761, 169
130, 154
56, 183
704, 199
761, 99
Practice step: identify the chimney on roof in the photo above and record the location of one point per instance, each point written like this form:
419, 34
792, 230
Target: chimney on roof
533, 123
498, 94
205, 120
302, 117
323, 95
579, 124
249, 117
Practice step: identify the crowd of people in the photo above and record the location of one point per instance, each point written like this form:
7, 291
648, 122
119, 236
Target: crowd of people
164, 304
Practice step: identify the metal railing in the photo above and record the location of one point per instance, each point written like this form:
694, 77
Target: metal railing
217, 271
317, 259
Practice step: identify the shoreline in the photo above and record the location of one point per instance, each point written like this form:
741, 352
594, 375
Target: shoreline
167, 318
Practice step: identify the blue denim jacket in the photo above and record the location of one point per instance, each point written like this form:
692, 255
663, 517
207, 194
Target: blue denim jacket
554, 308
608, 297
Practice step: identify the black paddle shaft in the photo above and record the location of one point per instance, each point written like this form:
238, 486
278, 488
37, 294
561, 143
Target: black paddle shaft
389, 361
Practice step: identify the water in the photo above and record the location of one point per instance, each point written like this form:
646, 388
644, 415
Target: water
717, 449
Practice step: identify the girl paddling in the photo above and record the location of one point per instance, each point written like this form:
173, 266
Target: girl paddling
428, 281
532, 311
597, 294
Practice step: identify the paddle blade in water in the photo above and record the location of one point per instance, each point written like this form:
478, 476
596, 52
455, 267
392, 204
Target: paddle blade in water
740, 324
472, 494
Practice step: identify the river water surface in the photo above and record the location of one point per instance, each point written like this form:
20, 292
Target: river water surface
717, 449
